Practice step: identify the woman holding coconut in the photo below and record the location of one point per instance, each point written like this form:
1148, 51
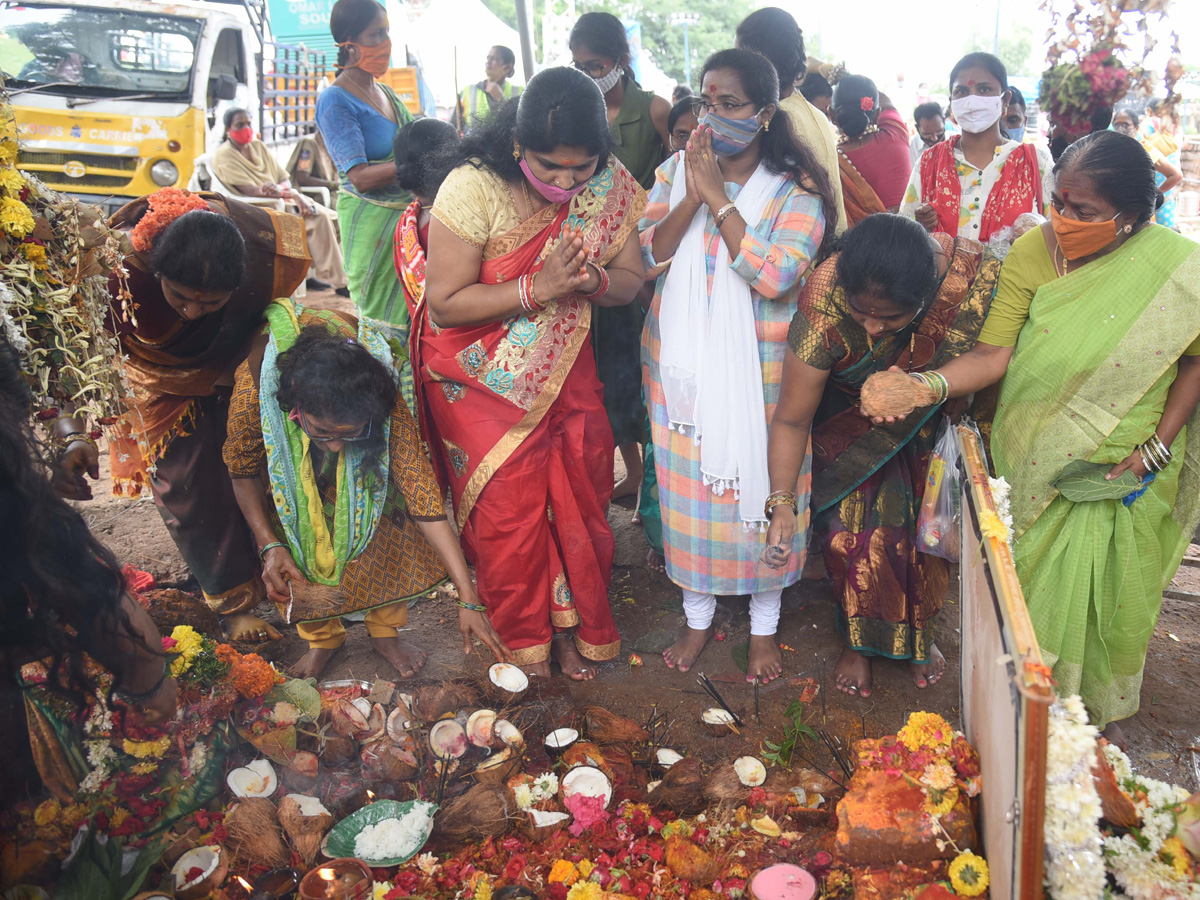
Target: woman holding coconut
1096, 333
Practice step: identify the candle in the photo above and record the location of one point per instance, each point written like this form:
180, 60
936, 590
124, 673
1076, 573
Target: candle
250, 892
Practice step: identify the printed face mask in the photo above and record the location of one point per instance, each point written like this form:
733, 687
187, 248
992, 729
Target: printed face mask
976, 114
375, 61
730, 136
607, 82
242, 135
551, 192
1078, 239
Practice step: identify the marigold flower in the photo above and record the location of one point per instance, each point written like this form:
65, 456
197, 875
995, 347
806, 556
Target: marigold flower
165, 207
563, 872
146, 749
586, 890
925, 729
11, 180
36, 254
15, 217
8, 151
47, 813
969, 875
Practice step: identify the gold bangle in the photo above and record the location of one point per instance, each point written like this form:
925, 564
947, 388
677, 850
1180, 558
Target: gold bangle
723, 213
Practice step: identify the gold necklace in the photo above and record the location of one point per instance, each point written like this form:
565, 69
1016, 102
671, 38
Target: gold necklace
528, 199
1057, 253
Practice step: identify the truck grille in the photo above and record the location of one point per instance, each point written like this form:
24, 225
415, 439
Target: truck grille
103, 171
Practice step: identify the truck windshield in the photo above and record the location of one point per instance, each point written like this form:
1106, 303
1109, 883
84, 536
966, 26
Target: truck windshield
65, 47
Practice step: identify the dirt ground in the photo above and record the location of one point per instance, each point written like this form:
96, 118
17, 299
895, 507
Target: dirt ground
648, 612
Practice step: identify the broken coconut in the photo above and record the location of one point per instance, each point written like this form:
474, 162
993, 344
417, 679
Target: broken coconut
559, 740
384, 760
256, 779
480, 813
479, 727
509, 734
605, 727
448, 739
665, 757
399, 720
208, 867
750, 771
718, 722
301, 773
305, 821
539, 824
350, 721
497, 767
681, 788
586, 781
436, 700
506, 683
254, 834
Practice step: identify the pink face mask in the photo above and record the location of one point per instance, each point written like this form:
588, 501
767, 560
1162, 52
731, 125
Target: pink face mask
551, 192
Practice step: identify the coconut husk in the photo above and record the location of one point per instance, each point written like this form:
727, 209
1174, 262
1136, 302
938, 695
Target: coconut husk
581, 753
181, 844
170, 607
435, 700
384, 760
497, 768
894, 394
254, 833
605, 727
304, 832
480, 813
785, 781
301, 774
688, 861
620, 765
723, 785
681, 788
343, 793
336, 749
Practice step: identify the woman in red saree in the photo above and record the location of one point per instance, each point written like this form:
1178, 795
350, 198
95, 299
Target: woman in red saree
535, 224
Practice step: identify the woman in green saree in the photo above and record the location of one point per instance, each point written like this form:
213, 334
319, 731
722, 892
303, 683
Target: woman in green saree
1097, 325
358, 118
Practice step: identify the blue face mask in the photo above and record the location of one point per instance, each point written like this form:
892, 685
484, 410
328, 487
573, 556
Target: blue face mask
730, 136
1015, 134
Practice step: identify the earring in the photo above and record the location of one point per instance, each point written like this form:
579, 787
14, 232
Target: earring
767, 125
516, 153
1127, 229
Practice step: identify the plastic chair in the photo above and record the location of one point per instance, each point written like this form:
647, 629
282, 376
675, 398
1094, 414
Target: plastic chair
202, 172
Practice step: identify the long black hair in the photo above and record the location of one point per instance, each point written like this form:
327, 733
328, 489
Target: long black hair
848, 111
773, 32
416, 149
891, 255
201, 250
604, 34
350, 18
337, 378
782, 154
559, 106
60, 588
1120, 169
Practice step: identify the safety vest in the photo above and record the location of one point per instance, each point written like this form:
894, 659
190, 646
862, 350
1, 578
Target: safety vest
476, 103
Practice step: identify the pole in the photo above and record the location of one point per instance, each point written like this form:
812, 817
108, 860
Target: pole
525, 27
687, 55
996, 34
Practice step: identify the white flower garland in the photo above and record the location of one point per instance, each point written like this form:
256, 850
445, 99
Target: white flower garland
1074, 847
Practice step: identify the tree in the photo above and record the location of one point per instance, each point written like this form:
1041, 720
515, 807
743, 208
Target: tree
1015, 51
661, 40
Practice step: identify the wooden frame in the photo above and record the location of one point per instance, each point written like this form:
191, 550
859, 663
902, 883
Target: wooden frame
1006, 690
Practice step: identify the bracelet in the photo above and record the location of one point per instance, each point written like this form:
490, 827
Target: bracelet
603, 289
781, 498
529, 300
61, 444
1161, 447
723, 213
936, 382
1160, 460
135, 698
262, 554
473, 607
1146, 462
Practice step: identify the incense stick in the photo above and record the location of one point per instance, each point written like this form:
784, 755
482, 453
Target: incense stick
711, 689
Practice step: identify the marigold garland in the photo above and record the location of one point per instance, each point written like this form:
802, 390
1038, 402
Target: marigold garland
165, 207
251, 675
146, 749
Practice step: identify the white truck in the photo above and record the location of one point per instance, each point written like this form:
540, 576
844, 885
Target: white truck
115, 100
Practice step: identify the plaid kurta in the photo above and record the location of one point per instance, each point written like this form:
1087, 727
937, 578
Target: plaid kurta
707, 548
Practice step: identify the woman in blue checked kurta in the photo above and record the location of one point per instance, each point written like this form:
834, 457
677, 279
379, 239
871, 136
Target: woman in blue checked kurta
738, 282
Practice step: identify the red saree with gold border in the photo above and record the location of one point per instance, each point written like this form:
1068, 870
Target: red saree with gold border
514, 417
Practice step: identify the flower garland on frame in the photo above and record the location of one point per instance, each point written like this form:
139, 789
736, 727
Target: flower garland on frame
1074, 846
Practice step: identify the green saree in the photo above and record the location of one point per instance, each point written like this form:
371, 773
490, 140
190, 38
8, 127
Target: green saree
1088, 379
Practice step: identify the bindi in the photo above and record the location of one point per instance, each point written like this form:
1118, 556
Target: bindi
568, 163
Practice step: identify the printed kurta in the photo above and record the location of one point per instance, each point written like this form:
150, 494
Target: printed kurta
707, 548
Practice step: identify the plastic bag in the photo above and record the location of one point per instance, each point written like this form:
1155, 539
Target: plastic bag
941, 509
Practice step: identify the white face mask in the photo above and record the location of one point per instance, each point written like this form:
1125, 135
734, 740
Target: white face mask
976, 114
607, 82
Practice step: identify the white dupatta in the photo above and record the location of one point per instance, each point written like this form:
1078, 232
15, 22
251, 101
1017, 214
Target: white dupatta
709, 362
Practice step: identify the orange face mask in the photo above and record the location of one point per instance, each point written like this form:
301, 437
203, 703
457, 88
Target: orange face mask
1078, 239
375, 61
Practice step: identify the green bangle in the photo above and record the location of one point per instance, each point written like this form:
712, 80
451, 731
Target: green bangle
262, 554
474, 607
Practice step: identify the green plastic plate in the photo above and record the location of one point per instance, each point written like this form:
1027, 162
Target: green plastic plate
341, 838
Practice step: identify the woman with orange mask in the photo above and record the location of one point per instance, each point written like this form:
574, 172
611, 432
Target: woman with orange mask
358, 118
1095, 329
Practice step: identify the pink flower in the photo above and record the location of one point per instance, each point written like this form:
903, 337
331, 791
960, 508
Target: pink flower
866, 104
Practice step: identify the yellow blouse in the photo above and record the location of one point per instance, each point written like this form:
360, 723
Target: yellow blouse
476, 204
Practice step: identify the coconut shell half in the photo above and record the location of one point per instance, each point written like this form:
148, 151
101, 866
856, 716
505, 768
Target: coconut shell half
479, 813
606, 727
681, 788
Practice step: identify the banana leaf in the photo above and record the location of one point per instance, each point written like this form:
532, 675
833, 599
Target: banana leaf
1081, 481
97, 870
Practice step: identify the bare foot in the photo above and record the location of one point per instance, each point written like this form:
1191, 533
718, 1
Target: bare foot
632, 482
312, 663
626, 487
570, 660
636, 518
684, 651
656, 562
404, 657
538, 670
1114, 734
765, 661
854, 673
924, 674
251, 628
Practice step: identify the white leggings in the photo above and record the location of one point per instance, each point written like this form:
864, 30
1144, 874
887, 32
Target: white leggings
764, 610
